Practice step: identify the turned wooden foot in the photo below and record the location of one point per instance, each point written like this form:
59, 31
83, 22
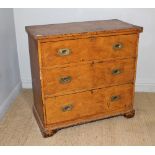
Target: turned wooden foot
49, 133
129, 114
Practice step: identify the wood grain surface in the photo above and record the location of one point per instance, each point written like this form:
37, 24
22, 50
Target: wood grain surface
35, 72
88, 76
88, 103
83, 28
82, 72
97, 48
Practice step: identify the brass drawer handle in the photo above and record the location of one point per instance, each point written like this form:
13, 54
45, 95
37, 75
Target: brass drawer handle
64, 52
116, 71
64, 80
117, 46
68, 107
115, 98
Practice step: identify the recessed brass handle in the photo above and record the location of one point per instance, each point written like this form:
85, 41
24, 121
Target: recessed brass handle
66, 79
64, 52
116, 71
68, 107
115, 98
117, 46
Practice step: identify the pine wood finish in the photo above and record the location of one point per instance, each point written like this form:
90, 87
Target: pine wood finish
82, 72
87, 76
86, 49
82, 104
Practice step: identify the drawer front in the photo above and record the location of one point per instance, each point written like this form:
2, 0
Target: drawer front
71, 51
86, 104
66, 80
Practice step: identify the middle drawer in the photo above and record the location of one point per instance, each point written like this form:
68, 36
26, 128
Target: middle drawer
83, 77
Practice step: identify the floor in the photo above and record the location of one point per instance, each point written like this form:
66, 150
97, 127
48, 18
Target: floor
18, 126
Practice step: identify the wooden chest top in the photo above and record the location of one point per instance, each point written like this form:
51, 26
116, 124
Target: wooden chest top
80, 28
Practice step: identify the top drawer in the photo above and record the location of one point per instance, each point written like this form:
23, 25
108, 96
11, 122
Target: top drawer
97, 48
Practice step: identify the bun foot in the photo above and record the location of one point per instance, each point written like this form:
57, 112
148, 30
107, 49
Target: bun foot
49, 133
129, 114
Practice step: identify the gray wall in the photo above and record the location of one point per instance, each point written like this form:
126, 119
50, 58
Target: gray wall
9, 68
143, 17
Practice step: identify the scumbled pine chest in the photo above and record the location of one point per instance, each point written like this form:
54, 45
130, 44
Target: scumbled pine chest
82, 71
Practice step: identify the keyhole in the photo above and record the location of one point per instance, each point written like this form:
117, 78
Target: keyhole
117, 45
115, 71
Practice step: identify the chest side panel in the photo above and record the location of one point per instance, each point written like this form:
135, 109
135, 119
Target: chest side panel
36, 82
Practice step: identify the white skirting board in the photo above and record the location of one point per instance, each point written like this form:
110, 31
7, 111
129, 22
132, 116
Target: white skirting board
26, 83
145, 87
9, 100
140, 87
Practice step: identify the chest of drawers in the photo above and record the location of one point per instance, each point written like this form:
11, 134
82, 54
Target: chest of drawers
82, 72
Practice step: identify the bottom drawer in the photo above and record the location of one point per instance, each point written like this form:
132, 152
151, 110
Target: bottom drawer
86, 104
